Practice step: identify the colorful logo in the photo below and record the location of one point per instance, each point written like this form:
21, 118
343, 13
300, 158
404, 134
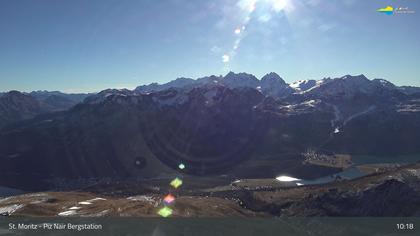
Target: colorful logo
387, 10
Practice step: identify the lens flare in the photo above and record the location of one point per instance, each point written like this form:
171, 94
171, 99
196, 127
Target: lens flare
266, 9
176, 183
169, 199
165, 212
181, 166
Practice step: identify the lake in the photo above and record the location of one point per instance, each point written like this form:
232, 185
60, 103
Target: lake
354, 172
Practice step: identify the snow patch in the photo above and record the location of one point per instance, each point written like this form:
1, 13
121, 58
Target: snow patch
96, 199
67, 213
304, 86
296, 85
414, 172
5, 199
75, 208
310, 103
89, 202
85, 203
10, 209
142, 198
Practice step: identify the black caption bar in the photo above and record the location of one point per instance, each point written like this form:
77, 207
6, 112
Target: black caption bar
210, 226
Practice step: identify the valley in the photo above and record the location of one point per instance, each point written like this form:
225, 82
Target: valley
242, 146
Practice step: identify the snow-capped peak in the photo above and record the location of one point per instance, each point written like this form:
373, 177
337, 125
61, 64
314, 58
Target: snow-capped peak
303, 85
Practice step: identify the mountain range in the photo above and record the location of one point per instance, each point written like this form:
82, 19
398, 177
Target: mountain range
213, 125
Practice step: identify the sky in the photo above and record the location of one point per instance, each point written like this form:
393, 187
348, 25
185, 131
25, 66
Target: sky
91, 45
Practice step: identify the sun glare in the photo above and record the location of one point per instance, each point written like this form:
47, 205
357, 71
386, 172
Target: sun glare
278, 5
275, 5
225, 58
285, 178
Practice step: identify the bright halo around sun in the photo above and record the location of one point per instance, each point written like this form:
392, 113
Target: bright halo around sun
261, 10
275, 5
278, 5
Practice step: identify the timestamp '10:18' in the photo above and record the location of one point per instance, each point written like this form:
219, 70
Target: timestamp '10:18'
405, 226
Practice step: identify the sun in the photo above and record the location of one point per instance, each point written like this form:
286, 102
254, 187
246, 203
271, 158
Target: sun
278, 5
263, 10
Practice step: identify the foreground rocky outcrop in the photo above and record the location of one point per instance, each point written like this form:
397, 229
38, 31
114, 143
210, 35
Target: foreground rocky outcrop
393, 193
